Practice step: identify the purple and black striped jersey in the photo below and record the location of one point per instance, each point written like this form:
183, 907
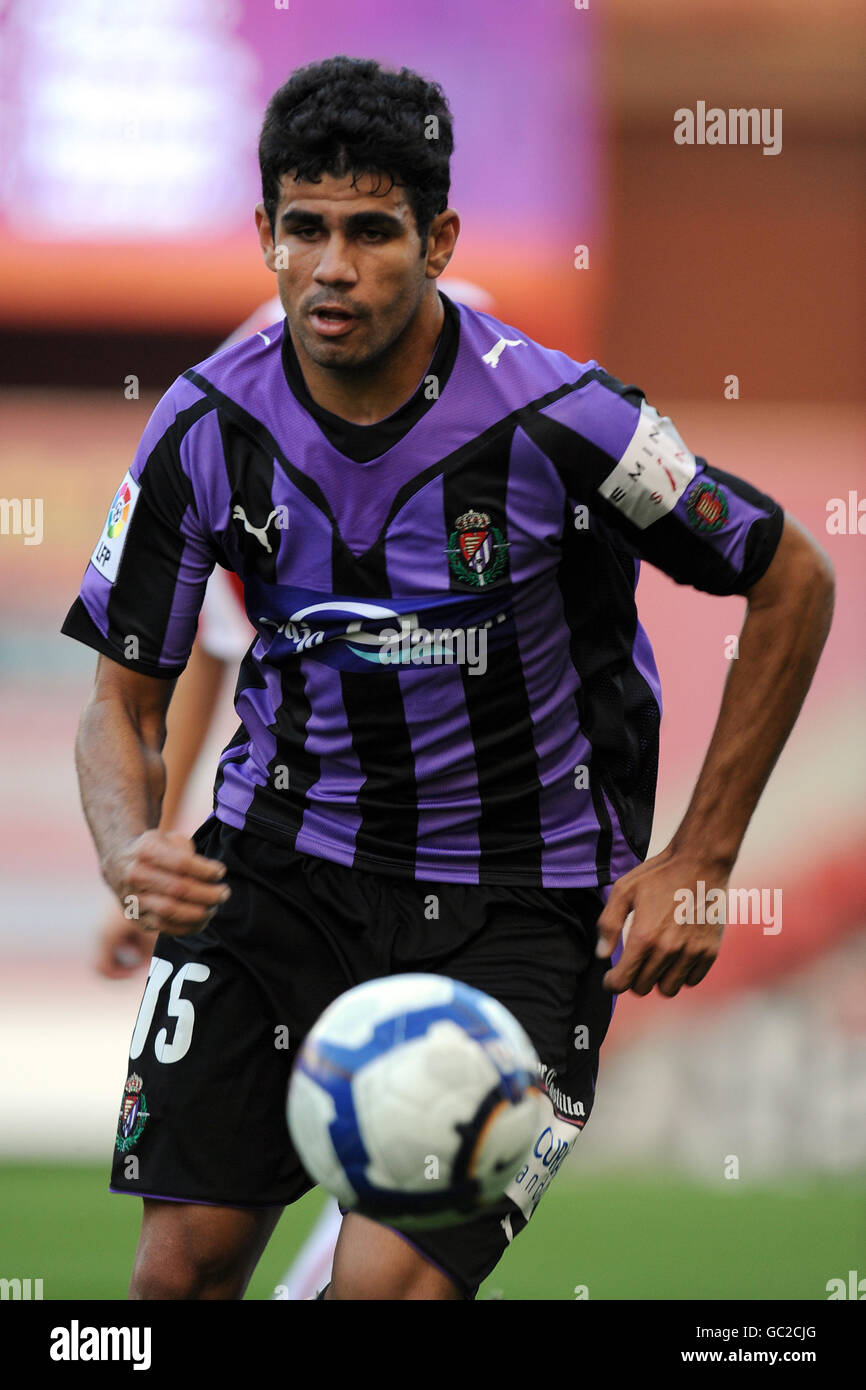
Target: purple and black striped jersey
449, 680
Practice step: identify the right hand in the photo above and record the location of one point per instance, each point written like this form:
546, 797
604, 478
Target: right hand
170, 887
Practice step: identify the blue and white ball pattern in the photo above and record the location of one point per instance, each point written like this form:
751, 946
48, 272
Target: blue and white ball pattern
414, 1099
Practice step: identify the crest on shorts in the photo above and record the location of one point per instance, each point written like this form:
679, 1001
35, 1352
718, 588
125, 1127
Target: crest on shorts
476, 549
133, 1114
707, 507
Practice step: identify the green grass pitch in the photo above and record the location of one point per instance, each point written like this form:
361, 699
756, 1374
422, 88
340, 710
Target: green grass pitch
624, 1236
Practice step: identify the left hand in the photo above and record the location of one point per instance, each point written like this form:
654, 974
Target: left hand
659, 950
122, 946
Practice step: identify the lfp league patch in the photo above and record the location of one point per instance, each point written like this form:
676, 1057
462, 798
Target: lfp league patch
109, 547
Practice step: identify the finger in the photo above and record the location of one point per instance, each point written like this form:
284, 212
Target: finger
644, 977
655, 966
611, 923
177, 853
207, 869
149, 879
627, 968
672, 980
701, 967
161, 912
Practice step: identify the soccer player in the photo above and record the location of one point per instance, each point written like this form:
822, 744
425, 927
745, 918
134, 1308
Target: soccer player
382, 466
223, 636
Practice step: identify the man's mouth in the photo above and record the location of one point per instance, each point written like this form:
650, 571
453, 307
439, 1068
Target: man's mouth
331, 321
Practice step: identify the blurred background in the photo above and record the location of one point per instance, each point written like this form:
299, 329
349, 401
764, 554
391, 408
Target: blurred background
726, 1154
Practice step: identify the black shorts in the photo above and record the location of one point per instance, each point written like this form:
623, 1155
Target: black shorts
224, 1012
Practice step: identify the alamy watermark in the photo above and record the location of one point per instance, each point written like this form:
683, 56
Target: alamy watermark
716, 907
853, 1288
739, 125
21, 1289
22, 516
439, 646
846, 516
77, 1343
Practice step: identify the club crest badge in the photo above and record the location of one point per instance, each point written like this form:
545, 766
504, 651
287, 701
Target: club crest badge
707, 507
133, 1114
477, 549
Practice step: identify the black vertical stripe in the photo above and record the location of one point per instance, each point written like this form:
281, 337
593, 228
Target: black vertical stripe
250, 471
257, 432
388, 798
304, 768
615, 705
497, 703
293, 769
240, 737
147, 578
604, 843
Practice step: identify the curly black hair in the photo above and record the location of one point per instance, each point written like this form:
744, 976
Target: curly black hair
352, 116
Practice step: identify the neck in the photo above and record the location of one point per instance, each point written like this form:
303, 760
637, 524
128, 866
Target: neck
366, 395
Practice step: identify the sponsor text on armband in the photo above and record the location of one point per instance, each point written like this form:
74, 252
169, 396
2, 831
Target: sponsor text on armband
652, 474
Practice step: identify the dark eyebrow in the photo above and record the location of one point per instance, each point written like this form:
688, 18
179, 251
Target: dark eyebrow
311, 219
354, 223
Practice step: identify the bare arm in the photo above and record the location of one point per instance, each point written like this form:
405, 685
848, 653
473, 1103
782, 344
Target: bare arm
788, 618
121, 946
122, 780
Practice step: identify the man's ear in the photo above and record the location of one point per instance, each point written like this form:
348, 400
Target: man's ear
442, 238
266, 236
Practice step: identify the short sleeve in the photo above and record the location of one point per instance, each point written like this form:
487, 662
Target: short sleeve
143, 588
629, 466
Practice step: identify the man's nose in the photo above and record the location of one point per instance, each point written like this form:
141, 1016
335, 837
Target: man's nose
335, 263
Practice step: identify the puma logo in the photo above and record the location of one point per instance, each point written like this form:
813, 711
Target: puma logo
492, 357
279, 514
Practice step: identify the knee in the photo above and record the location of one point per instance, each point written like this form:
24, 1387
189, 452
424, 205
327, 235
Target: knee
194, 1252
185, 1277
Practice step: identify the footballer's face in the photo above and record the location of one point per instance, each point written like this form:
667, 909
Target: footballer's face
350, 266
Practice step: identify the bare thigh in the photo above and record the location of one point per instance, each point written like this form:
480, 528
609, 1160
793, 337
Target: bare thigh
373, 1262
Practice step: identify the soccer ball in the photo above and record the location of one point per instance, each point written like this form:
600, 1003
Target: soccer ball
413, 1100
